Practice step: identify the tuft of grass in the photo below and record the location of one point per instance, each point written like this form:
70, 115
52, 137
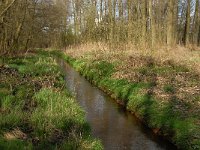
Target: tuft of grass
56, 110
169, 89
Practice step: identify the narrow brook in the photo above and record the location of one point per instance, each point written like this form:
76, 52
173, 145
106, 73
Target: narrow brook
115, 127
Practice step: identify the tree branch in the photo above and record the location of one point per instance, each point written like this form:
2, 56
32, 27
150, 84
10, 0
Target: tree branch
7, 8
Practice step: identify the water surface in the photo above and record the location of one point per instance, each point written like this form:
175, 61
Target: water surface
115, 127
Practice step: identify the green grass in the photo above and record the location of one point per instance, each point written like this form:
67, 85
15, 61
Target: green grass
13, 144
169, 89
35, 101
167, 116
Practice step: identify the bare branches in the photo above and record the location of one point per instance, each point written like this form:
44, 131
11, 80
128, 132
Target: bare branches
7, 8
58, 23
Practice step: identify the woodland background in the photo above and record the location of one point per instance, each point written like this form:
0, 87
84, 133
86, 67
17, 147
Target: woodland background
26, 24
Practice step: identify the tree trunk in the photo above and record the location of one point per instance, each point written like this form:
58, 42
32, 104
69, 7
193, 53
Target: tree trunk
144, 20
196, 23
187, 25
170, 23
152, 23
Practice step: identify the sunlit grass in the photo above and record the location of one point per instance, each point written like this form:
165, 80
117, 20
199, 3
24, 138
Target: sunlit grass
35, 103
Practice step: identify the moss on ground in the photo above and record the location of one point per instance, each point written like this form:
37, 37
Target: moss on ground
165, 96
36, 110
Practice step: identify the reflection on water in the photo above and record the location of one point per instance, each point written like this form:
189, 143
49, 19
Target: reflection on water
116, 128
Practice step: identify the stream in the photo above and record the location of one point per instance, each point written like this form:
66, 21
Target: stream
111, 123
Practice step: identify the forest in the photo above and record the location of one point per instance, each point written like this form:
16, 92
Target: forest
28, 24
142, 54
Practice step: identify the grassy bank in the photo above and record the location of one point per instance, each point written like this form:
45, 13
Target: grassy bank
164, 95
36, 111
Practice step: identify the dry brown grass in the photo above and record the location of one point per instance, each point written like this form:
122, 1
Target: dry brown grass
189, 57
15, 134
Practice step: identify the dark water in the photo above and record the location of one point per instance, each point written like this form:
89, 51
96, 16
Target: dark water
116, 128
